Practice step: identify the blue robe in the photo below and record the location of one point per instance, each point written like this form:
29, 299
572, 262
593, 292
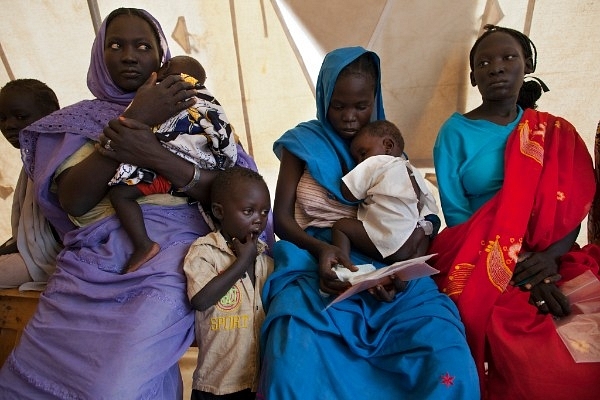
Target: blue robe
413, 347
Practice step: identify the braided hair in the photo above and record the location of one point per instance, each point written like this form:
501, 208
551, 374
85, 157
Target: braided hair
531, 90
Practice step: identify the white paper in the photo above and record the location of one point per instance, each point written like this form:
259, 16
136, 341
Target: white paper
405, 270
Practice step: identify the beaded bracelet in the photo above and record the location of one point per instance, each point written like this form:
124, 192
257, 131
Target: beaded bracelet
193, 182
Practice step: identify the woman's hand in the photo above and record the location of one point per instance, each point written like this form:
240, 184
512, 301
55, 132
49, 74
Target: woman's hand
387, 289
547, 298
534, 268
155, 103
130, 141
329, 257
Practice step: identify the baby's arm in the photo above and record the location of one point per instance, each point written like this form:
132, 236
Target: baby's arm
218, 287
347, 193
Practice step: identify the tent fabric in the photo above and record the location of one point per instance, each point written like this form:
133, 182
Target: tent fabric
262, 58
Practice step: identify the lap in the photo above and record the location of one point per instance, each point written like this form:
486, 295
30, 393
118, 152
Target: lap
13, 271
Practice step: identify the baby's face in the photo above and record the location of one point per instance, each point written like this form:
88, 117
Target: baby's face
365, 146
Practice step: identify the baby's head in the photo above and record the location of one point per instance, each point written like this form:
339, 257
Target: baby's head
183, 65
240, 202
375, 139
22, 102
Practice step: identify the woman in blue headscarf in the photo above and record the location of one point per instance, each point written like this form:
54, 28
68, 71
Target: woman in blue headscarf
402, 341
97, 333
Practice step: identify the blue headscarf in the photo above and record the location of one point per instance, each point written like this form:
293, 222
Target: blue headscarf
98, 78
316, 142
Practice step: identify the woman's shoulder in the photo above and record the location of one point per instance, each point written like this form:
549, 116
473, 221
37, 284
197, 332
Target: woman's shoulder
86, 117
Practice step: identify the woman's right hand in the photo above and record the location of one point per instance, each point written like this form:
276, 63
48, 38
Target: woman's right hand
155, 103
329, 257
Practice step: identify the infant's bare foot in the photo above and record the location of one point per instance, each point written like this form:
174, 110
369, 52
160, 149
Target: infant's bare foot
140, 257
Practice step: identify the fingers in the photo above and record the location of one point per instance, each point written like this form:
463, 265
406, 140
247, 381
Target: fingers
382, 294
399, 284
548, 299
151, 81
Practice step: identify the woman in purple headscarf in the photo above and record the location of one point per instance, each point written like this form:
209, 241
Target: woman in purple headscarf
97, 333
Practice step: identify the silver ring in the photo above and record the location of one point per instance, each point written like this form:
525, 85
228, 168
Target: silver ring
540, 303
107, 145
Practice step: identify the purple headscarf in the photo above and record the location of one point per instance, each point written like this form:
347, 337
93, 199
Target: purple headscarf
98, 79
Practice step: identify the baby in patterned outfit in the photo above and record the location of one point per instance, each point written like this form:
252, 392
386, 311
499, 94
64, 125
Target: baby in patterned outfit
201, 134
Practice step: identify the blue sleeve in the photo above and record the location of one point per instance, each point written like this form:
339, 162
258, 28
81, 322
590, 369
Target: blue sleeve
448, 157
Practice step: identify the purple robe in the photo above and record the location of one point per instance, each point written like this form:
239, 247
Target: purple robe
98, 334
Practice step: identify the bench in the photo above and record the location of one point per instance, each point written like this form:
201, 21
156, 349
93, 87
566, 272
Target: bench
16, 308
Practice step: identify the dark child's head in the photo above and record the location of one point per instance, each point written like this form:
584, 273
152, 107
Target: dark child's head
183, 65
530, 90
22, 102
377, 138
240, 203
353, 98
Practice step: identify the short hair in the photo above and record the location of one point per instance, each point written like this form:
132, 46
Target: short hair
383, 129
226, 180
193, 67
44, 97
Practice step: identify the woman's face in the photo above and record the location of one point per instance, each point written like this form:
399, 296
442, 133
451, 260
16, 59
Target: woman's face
499, 66
131, 52
18, 109
351, 104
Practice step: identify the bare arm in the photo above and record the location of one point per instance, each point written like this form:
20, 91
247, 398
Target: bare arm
133, 142
220, 284
347, 193
286, 227
85, 184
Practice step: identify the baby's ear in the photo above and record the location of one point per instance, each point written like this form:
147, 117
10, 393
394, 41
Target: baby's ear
217, 211
472, 78
388, 145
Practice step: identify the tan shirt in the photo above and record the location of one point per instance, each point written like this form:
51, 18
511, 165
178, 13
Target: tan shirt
228, 332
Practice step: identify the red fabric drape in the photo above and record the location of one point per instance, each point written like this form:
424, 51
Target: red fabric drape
548, 189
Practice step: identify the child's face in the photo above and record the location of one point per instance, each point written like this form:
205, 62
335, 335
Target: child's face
245, 211
18, 109
351, 104
499, 65
365, 146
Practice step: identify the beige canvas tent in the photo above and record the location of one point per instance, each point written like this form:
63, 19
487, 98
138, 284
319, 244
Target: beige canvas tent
262, 58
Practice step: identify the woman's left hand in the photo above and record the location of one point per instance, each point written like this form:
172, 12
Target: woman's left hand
534, 269
130, 141
387, 292
547, 298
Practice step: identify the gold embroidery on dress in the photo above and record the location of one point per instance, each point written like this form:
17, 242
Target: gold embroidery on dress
529, 146
498, 271
457, 279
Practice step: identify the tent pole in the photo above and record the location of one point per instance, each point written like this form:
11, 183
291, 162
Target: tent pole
241, 77
95, 14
